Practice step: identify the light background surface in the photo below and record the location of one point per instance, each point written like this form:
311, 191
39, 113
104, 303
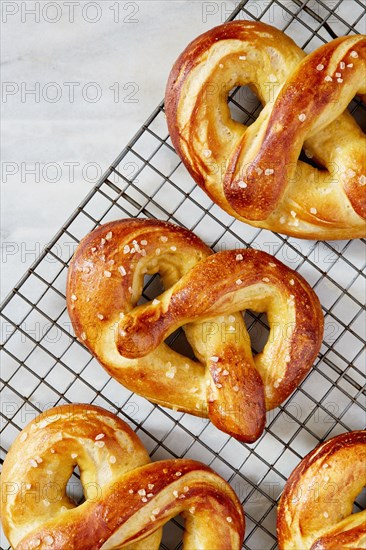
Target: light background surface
134, 45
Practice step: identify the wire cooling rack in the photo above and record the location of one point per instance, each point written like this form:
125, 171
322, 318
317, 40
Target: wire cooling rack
44, 365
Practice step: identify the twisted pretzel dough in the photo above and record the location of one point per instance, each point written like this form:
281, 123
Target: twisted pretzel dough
205, 294
253, 172
127, 499
315, 510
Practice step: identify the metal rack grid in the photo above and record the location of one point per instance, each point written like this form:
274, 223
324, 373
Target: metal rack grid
44, 365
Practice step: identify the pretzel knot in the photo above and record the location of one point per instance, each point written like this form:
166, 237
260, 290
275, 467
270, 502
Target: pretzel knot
254, 173
127, 499
205, 294
315, 510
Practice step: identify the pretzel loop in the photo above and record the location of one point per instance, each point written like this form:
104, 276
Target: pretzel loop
254, 173
205, 295
127, 500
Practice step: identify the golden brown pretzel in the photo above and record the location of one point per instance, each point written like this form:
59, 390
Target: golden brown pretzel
205, 294
253, 172
127, 499
315, 510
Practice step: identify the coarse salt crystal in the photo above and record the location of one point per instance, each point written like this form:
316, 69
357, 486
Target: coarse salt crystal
178, 474
99, 444
107, 274
229, 519
163, 239
109, 235
342, 65
302, 117
112, 459
354, 54
214, 359
207, 153
328, 78
100, 316
242, 184
265, 280
99, 436
362, 180
173, 248
141, 492
292, 282
239, 257
268, 171
238, 282
313, 210
73, 297
122, 270
320, 67
155, 302
242, 57
74, 455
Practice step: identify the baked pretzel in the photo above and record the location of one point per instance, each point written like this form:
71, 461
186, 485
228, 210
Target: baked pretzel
315, 510
205, 294
127, 499
254, 173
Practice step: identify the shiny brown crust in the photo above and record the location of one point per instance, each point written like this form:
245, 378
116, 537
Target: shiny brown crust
205, 294
254, 173
315, 510
127, 499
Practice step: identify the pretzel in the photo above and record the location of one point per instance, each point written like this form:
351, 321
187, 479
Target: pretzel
205, 294
127, 499
315, 510
254, 173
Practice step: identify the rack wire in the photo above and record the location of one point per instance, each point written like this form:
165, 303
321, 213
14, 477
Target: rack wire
44, 365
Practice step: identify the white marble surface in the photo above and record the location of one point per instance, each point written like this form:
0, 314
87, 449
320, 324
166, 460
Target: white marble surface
136, 51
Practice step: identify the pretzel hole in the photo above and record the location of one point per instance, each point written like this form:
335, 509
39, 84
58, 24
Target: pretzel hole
258, 328
178, 342
360, 502
243, 105
74, 488
152, 287
358, 110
